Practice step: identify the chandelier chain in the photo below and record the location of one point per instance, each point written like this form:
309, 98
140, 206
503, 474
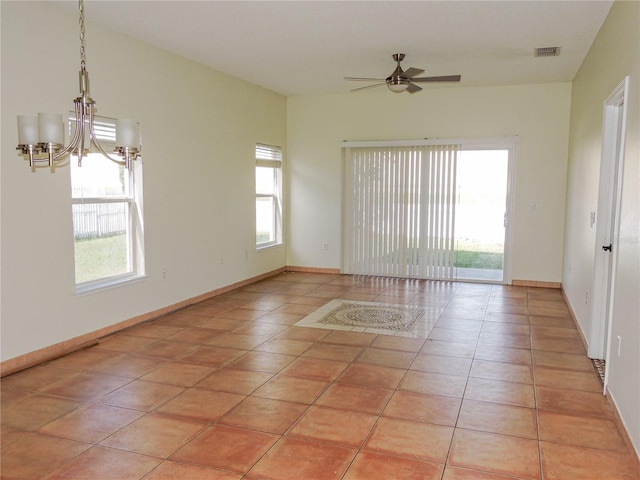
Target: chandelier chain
83, 60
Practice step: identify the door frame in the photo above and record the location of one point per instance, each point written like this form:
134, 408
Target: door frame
608, 220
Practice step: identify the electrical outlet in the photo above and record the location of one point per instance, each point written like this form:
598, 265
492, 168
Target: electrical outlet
221, 261
325, 246
246, 254
586, 297
163, 273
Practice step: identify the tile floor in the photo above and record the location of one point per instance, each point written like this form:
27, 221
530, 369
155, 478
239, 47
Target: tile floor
230, 389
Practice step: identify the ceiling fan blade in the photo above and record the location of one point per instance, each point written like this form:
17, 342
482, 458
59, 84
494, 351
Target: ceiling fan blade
445, 78
412, 72
368, 86
364, 79
413, 88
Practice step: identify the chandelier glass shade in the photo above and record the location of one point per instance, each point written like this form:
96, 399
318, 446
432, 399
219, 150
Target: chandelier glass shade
41, 137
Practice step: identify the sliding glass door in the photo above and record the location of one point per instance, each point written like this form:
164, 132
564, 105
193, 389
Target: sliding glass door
427, 210
481, 214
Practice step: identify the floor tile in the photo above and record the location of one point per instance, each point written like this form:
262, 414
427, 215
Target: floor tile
264, 415
152, 330
449, 349
426, 408
503, 354
504, 317
315, 368
442, 364
561, 360
459, 324
201, 404
561, 462
36, 410
38, 378
9, 396
169, 470
372, 376
167, 349
493, 453
505, 340
353, 397
570, 379
496, 391
506, 328
91, 423
452, 335
398, 343
142, 395
581, 431
195, 335
154, 435
106, 464
9, 435
331, 425
263, 361
573, 401
178, 373
457, 473
303, 333
130, 366
562, 345
434, 383
498, 418
86, 386
349, 338
296, 459
124, 343
415, 440
292, 389
328, 351
371, 466
234, 380
85, 359
228, 388
226, 448
212, 356
34, 455
387, 358
508, 372
238, 341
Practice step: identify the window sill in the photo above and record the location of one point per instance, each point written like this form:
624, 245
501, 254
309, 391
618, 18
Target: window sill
262, 248
102, 285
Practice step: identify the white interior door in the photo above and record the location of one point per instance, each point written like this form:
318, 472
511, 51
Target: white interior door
607, 221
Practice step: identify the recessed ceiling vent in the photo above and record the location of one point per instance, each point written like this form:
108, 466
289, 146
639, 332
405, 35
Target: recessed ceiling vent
546, 52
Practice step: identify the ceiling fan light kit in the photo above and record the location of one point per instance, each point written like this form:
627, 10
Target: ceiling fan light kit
402, 80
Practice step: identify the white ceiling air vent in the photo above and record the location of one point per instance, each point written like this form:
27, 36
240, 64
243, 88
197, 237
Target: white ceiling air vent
546, 52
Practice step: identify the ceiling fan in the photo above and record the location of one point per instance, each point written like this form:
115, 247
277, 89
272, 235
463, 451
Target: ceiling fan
400, 80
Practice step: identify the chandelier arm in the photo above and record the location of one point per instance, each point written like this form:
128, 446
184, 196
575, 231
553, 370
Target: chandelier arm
77, 135
94, 139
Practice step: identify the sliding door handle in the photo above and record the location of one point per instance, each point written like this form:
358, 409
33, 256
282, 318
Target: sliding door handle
608, 248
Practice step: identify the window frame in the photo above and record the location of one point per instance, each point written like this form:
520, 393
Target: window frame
270, 156
132, 200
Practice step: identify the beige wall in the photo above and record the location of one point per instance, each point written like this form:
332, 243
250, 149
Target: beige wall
199, 130
614, 54
537, 114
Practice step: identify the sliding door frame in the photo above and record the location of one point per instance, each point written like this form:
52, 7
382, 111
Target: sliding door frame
489, 143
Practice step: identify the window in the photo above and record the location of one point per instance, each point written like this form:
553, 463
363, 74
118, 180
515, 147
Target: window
107, 216
268, 196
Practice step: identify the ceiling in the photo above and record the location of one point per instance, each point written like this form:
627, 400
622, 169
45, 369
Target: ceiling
307, 47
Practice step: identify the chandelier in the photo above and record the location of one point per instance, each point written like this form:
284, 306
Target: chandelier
41, 137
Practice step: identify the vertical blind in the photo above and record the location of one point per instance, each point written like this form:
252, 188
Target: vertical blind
400, 211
